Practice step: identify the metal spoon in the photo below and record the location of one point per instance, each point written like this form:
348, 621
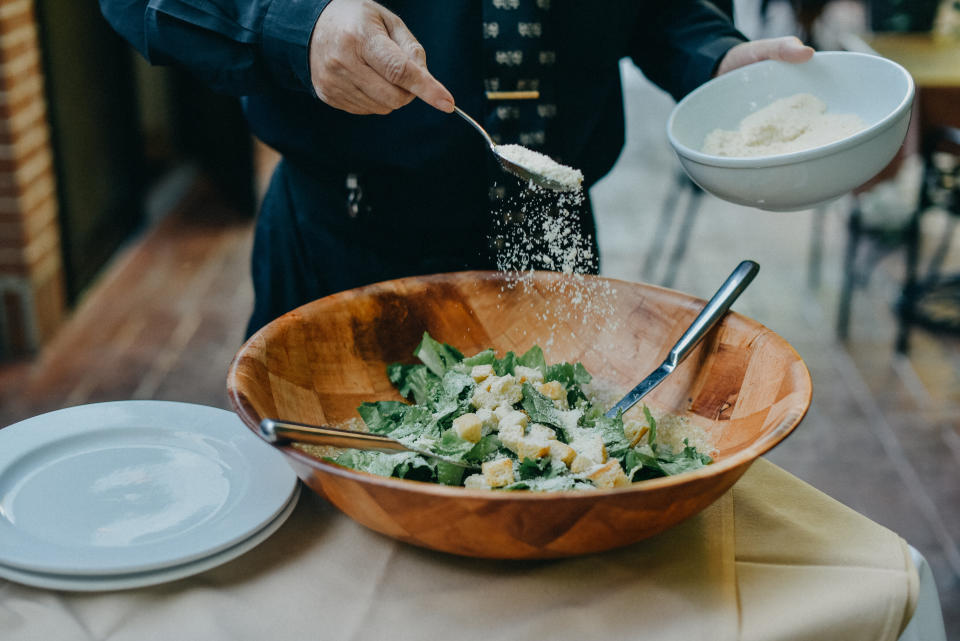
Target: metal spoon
712, 312
277, 432
512, 167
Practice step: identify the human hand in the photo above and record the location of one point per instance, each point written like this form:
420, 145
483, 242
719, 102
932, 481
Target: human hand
787, 49
364, 60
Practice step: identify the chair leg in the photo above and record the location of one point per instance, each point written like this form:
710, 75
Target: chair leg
815, 261
934, 269
662, 231
854, 228
686, 229
908, 296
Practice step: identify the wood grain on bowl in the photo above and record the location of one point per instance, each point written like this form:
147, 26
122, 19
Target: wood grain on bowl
743, 384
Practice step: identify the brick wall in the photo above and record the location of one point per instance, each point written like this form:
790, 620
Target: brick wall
32, 297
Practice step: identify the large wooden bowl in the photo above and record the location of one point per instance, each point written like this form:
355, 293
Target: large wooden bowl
744, 385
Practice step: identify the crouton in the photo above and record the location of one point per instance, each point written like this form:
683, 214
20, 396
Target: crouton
634, 431
527, 374
476, 482
497, 390
554, 390
510, 435
540, 432
468, 427
581, 463
590, 446
514, 417
501, 411
488, 420
562, 452
530, 448
480, 372
609, 475
498, 473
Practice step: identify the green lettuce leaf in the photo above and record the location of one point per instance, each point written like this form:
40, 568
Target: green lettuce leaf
534, 358
417, 380
486, 357
439, 357
505, 365
416, 468
530, 468
652, 434
570, 374
382, 417
485, 449
550, 484
611, 431
452, 396
452, 446
373, 462
541, 409
450, 474
398, 420
643, 462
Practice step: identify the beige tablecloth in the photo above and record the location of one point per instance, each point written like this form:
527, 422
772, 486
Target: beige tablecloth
773, 559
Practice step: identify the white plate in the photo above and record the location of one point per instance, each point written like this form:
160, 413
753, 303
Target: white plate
133, 486
143, 579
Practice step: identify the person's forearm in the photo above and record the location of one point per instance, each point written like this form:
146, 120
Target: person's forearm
680, 44
239, 47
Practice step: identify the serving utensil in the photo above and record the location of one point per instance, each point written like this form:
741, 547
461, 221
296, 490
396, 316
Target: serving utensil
276, 432
512, 167
711, 313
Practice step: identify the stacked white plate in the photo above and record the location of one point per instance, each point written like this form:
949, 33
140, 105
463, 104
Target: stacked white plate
126, 494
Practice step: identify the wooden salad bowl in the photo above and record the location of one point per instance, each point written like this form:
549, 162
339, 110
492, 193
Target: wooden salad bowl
744, 385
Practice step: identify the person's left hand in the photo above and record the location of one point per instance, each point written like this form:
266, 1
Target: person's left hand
787, 49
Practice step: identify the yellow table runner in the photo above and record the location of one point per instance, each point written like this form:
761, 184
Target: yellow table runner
773, 559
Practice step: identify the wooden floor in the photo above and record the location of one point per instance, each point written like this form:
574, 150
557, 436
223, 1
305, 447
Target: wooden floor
162, 322
882, 435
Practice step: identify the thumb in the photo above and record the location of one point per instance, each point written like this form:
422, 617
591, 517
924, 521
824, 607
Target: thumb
785, 49
398, 57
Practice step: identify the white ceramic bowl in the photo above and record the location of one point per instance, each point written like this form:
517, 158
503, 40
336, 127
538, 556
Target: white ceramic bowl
876, 89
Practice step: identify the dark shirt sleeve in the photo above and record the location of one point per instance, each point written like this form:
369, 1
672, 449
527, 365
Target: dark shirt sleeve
240, 47
680, 44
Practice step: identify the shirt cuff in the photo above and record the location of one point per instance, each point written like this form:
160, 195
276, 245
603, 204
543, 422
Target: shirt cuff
287, 27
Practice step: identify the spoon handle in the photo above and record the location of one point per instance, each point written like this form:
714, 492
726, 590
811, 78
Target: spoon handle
712, 312
476, 125
276, 431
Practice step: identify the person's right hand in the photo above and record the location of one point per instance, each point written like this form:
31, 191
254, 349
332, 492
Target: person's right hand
364, 60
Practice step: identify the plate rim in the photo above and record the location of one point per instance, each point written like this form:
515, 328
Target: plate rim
161, 417
110, 583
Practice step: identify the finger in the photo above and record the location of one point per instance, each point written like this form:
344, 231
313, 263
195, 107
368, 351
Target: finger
348, 98
786, 49
399, 33
791, 49
379, 91
394, 65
